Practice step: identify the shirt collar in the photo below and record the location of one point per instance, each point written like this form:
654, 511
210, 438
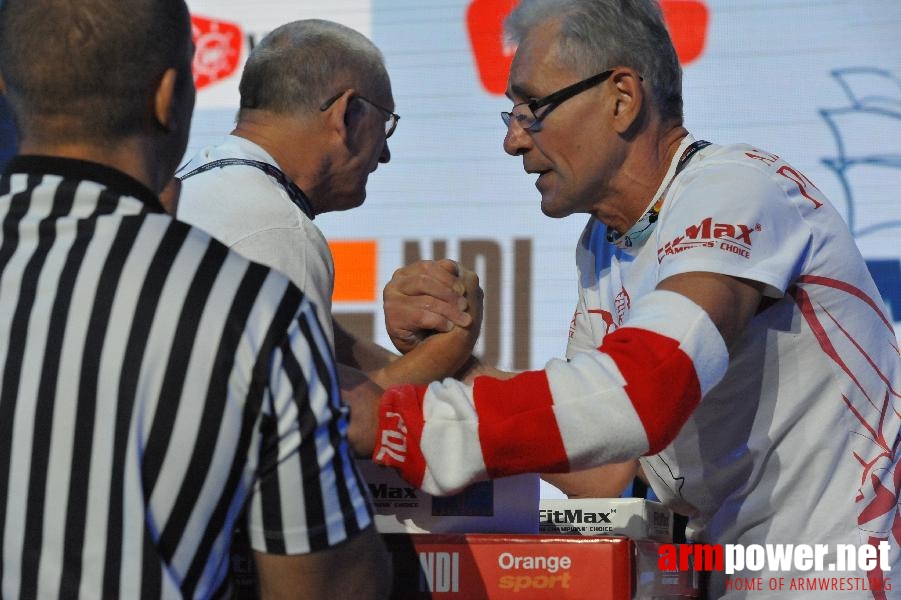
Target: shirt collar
72, 168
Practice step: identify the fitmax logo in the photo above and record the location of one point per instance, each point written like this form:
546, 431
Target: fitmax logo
574, 516
385, 491
707, 234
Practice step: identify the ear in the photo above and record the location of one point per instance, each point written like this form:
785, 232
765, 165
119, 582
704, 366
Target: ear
163, 99
343, 115
629, 101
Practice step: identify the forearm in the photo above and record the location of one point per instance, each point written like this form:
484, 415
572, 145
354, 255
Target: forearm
474, 367
440, 356
629, 399
361, 354
437, 357
607, 481
362, 561
432, 359
362, 396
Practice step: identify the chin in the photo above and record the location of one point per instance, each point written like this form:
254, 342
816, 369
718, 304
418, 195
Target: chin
554, 210
354, 202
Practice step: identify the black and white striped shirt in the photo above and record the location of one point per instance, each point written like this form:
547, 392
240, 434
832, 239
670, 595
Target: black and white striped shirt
154, 387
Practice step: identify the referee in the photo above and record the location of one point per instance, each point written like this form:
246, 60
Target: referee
156, 390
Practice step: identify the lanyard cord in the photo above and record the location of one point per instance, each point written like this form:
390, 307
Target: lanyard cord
294, 193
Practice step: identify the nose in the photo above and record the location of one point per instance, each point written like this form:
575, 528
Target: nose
517, 141
385, 156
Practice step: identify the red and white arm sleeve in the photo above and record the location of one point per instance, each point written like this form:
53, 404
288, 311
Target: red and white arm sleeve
626, 399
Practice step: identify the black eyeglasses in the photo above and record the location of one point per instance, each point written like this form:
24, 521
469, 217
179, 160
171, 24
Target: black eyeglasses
390, 121
529, 121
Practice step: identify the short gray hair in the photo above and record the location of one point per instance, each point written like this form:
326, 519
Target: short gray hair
299, 65
600, 34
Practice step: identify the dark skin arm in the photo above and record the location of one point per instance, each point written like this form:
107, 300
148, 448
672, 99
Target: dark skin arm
358, 568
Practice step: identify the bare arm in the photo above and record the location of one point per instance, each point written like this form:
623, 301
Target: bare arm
364, 355
606, 481
362, 396
302, 453
730, 302
423, 364
476, 368
358, 568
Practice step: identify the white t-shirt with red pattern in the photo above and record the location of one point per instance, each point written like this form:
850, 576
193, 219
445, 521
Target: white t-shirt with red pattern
799, 443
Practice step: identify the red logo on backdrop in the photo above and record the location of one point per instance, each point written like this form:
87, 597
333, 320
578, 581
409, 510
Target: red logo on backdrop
218, 50
686, 19
687, 23
485, 22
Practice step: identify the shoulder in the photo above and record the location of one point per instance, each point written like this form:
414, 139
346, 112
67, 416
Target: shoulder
719, 163
225, 174
741, 169
738, 180
749, 180
233, 200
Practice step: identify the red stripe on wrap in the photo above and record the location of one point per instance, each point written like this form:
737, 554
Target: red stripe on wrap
400, 431
517, 428
661, 381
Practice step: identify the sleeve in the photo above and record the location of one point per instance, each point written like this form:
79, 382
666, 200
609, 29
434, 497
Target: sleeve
309, 495
735, 219
628, 398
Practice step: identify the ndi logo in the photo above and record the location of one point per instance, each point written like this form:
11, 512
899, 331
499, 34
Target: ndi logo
439, 572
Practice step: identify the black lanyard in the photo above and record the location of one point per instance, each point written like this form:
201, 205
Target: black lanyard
687, 154
294, 193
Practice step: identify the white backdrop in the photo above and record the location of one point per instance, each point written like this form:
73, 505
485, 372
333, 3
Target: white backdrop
817, 82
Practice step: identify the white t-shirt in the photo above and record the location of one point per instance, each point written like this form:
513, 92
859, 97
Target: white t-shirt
798, 443
252, 213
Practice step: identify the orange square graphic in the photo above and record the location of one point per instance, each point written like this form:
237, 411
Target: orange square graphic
355, 270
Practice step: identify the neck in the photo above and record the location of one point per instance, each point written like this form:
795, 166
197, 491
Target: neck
642, 172
297, 144
133, 156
